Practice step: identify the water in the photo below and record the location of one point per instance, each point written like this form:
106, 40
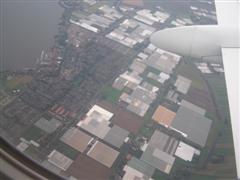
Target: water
27, 27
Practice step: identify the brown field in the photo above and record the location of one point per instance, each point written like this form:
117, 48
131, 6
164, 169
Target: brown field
86, 168
223, 170
123, 118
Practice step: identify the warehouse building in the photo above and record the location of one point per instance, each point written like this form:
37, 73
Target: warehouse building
49, 126
140, 99
60, 160
116, 136
192, 125
77, 139
193, 107
103, 154
141, 166
163, 61
137, 66
131, 32
161, 78
96, 121
131, 173
160, 151
182, 84
186, 152
163, 116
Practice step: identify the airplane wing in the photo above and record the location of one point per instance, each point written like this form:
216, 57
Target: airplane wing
228, 16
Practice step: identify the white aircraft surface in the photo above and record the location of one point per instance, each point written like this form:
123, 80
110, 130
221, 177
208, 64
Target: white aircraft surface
211, 41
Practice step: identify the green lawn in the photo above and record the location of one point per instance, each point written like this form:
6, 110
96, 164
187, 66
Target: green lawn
33, 133
32, 152
224, 151
218, 87
110, 94
190, 71
66, 150
158, 175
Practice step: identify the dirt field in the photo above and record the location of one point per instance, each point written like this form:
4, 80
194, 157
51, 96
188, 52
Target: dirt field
122, 117
85, 168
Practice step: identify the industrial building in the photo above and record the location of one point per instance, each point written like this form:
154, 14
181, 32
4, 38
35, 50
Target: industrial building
192, 125
131, 173
146, 16
103, 154
127, 79
96, 121
193, 107
137, 66
203, 67
131, 32
77, 139
141, 166
163, 61
96, 22
149, 87
110, 12
140, 99
182, 84
116, 136
60, 160
160, 151
161, 78
163, 116
173, 96
186, 152
48, 126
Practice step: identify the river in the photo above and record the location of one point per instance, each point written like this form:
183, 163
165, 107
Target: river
27, 27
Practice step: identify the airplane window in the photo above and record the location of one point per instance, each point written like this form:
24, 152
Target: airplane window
120, 89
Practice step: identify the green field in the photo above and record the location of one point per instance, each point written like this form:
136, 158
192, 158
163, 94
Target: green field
190, 71
110, 94
33, 133
66, 150
158, 175
218, 87
32, 152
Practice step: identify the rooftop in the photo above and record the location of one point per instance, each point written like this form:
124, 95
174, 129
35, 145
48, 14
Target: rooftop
186, 152
159, 152
163, 116
60, 160
76, 139
116, 136
133, 174
96, 121
103, 154
48, 126
192, 125
141, 166
183, 84
193, 107
163, 61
